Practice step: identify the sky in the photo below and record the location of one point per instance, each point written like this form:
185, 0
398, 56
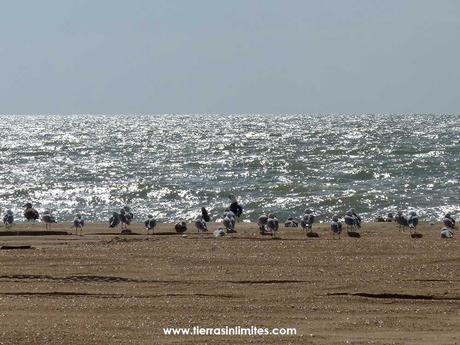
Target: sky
221, 56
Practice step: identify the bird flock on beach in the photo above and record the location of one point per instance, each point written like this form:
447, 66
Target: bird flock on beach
268, 223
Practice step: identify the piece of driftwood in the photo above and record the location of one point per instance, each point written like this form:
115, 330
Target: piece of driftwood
10, 247
33, 233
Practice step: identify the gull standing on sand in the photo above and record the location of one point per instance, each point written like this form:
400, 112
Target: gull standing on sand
114, 220
449, 221
229, 221
30, 213
205, 215
351, 221
448, 230
150, 223
262, 223
357, 217
272, 224
200, 224
126, 217
336, 227
8, 219
401, 219
307, 220
389, 218
78, 224
48, 219
235, 207
412, 221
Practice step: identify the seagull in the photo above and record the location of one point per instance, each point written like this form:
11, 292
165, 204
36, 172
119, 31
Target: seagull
114, 220
8, 219
30, 213
262, 223
351, 221
229, 221
390, 217
220, 232
412, 221
150, 223
48, 219
357, 217
272, 224
449, 224
181, 226
401, 220
449, 221
447, 232
78, 224
380, 219
234, 206
201, 224
336, 226
291, 223
126, 217
205, 215
307, 220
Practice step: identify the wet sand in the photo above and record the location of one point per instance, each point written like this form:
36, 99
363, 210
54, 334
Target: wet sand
104, 288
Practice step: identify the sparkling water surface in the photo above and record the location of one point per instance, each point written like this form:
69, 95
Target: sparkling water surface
171, 165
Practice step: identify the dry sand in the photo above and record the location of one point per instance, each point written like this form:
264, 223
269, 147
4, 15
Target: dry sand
103, 288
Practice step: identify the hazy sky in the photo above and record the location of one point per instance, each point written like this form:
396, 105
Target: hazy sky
229, 56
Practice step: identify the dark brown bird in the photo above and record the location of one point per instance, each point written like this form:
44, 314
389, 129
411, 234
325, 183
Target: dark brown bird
30, 213
181, 226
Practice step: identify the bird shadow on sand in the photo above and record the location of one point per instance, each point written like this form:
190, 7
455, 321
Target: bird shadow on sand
353, 234
312, 234
303, 239
416, 235
116, 233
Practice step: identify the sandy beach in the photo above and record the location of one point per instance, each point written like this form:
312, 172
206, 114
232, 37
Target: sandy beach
104, 288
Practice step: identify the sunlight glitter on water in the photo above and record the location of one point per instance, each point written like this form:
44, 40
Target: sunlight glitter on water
171, 165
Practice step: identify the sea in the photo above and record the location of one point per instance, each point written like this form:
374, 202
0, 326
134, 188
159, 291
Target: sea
171, 165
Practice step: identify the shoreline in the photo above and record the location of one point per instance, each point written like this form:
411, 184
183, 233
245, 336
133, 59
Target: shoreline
242, 228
